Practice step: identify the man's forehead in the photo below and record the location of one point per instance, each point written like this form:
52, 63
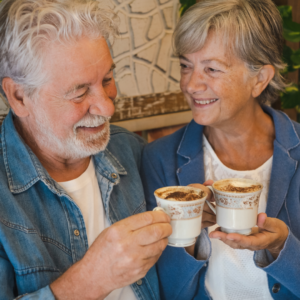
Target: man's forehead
83, 62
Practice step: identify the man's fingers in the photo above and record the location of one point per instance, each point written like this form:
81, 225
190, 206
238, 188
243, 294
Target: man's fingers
155, 249
152, 233
145, 219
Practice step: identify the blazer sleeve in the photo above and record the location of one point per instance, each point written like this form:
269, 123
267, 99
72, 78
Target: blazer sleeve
286, 268
178, 272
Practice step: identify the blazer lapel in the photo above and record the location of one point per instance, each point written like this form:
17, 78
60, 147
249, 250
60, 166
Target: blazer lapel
283, 170
190, 156
193, 171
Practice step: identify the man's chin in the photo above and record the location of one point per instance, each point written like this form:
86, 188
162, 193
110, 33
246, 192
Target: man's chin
91, 145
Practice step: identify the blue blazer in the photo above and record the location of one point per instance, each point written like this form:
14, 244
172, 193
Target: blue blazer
178, 160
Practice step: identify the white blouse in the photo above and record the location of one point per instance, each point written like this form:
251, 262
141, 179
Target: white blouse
232, 274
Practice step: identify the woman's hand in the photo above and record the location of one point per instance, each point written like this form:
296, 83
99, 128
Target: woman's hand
208, 217
270, 234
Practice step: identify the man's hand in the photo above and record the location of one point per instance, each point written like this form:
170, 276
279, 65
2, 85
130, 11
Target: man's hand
270, 234
121, 255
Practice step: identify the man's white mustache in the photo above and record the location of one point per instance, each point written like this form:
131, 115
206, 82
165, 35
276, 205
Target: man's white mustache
91, 121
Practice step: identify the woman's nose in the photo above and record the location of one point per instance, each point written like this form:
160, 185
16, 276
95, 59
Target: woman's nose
196, 83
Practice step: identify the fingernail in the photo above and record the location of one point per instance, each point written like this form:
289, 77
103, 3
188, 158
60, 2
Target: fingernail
230, 239
216, 238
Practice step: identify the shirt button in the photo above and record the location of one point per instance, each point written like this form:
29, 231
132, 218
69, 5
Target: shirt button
76, 232
178, 170
276, 288
114, 175
139, 282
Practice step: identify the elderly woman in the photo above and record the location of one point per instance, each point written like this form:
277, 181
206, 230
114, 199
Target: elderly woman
230, 56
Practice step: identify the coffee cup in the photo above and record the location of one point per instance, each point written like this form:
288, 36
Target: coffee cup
184, 205
237, 201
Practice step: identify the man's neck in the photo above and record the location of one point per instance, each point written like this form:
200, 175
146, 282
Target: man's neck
59, 169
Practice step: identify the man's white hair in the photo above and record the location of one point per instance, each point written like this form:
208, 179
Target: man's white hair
28, 26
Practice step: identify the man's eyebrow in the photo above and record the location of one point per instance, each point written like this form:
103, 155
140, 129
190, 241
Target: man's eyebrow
183, 57
113, 66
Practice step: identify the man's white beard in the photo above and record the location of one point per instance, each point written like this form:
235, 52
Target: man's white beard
75, 146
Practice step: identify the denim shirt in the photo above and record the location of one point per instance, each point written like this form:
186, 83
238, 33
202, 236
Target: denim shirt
178, 160
39, 222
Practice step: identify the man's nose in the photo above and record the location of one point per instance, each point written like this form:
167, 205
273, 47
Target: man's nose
196, 83
102, 102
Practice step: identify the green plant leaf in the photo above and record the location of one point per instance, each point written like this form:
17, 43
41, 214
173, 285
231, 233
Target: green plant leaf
291, 31
287, 53
291, 97
295, 57
185, 5
285, 11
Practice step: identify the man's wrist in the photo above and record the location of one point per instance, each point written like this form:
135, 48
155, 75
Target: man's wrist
74, 284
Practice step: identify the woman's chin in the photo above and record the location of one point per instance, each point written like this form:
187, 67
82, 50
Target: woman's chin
203, 119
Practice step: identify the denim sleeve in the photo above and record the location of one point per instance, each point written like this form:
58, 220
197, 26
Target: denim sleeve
8, 286
42, 294
7, 277
288, 260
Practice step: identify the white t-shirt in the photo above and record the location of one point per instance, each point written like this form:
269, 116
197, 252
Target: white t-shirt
85, 192
231, 273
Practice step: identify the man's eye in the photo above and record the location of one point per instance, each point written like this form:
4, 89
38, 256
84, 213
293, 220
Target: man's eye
213, 70
107, 80
183, 66
82, 95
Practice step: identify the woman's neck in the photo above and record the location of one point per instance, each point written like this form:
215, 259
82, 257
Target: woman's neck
245, 142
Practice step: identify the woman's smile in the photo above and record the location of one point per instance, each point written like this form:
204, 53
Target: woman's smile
201, 102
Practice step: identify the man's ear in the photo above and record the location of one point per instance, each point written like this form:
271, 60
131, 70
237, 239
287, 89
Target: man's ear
264, 76
15, 96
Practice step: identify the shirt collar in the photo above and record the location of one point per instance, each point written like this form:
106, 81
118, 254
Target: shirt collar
286, 134
23, 168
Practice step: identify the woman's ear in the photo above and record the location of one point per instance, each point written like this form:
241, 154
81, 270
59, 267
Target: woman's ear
264, 76
15, 96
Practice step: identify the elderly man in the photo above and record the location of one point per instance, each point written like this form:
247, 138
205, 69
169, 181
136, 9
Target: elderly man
62, 182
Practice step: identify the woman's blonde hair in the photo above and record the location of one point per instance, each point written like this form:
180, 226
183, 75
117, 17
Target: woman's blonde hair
252, 28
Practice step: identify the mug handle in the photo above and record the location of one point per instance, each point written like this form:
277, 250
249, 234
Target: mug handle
158, 208
208, 203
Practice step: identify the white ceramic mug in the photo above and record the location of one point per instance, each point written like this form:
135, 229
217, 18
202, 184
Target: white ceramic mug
186, 216
236, 211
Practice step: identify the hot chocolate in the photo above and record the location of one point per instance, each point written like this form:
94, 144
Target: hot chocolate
179, 194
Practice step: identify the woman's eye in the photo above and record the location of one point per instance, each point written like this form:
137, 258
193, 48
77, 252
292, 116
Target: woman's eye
183, 66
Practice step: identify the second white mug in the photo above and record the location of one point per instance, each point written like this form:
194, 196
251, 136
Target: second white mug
236, 211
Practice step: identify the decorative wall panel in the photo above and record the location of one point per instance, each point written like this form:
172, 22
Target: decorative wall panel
143, 51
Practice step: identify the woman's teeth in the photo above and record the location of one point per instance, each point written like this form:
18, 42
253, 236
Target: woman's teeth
205, 101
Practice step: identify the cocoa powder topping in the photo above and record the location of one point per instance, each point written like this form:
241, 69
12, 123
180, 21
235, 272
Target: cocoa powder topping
236, 189
182, 196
